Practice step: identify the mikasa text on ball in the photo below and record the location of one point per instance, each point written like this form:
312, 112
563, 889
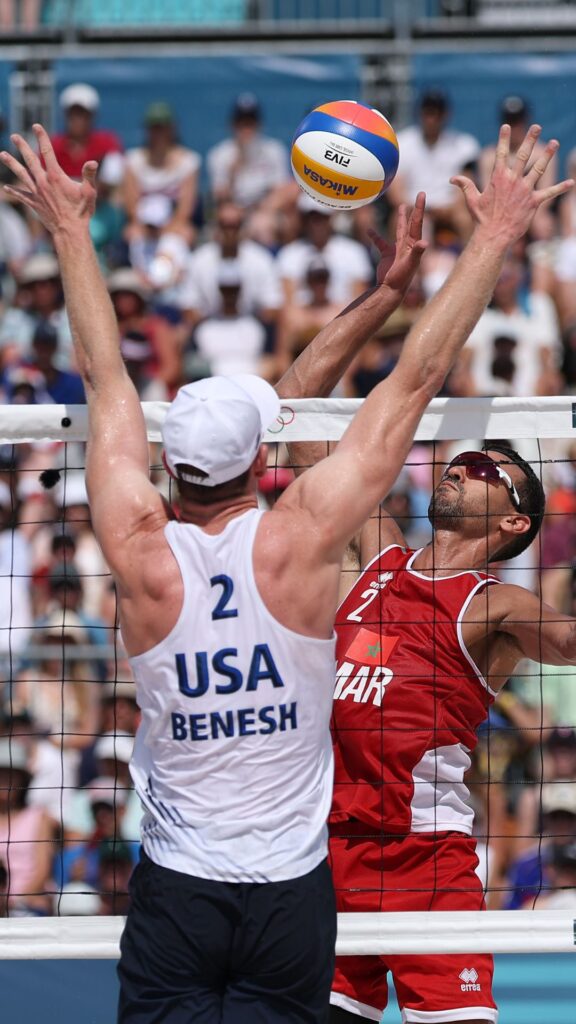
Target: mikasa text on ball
344, 154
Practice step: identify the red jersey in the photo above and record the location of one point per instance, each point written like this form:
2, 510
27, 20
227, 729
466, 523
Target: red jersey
72, 157
408, 698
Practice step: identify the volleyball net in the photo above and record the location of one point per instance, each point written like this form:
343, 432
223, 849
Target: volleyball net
69, 833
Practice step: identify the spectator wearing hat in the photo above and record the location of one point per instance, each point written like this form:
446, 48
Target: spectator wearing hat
430, 154
528, 874
106, 802
66, 593
38, 301
74, 515
248, 168
63, 386
111, 752
562, 879
199, 294
159, 254
515, 111
162, 167
118, 706
557, 779
230, 341
81, 141
109, 218
347, 260
26, 835
59, 690
160, 340
15, 577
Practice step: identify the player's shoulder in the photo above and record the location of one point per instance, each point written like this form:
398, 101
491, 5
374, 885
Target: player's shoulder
500, 599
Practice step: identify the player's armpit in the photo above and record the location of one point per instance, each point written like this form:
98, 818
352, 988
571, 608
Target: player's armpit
381, 531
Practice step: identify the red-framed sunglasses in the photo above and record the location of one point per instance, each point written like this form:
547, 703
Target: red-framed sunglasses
479, 466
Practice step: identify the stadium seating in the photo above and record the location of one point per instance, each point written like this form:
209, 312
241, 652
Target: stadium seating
143, 12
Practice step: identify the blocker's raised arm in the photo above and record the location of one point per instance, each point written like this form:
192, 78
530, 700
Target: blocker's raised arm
117, 464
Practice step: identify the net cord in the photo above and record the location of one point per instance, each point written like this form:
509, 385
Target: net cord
507, 931
326, 419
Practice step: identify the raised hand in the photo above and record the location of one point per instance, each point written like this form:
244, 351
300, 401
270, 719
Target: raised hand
399, 262
510, 200
43, 186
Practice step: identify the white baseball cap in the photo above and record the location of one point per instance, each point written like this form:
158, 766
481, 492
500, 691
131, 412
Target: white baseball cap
217, 425
80, 95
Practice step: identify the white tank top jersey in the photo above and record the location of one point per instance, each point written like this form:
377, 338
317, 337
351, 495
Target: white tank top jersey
233, 757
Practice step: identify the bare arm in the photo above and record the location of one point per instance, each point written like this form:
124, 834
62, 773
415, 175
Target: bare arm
541, 633
117, 462
320, 366
186, 202
344, 489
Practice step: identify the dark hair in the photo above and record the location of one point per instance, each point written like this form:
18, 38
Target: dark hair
202, 495
532, 501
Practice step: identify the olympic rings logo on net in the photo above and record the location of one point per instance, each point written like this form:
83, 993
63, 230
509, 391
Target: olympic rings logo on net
285, 417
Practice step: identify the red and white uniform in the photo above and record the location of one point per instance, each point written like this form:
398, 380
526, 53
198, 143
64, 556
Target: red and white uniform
408, 701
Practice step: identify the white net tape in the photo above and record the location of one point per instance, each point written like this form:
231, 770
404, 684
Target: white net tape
515, 931
325, 419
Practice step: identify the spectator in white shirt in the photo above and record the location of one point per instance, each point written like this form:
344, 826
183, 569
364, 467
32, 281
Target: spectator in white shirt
430, 154
230, 341
249, 166
15, 578
199, 294
347, 261
515, 347
162, 167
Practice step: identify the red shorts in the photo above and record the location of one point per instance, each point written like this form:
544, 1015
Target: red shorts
417, 872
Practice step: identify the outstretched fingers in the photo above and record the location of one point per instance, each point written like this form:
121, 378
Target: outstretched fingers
539, 166
502, 147
526, 149
401, 224
544, 194
18, 169
416, 221
28, 155
45, 147
21, 195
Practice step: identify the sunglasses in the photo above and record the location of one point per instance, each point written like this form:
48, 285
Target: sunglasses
479, 466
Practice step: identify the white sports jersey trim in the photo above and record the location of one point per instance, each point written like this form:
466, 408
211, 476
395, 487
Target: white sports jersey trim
466, 1013
352, 1006
379, 555
463, 648
435, 579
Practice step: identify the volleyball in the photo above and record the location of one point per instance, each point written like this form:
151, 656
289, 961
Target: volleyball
344, 154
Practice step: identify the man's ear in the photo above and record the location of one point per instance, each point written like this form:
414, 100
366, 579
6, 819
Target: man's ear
515, 524
261, 461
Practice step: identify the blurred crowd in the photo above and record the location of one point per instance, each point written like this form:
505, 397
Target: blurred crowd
218, 264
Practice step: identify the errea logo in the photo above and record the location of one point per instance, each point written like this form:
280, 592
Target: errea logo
469, 979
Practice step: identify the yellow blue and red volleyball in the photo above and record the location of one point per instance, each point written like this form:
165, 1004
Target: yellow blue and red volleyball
344, 154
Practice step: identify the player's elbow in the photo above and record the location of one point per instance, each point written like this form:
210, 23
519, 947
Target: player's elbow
568, 645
